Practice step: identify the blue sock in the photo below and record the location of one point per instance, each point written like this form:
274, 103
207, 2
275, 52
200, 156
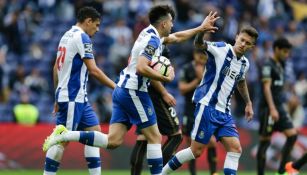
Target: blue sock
87, 137
228, 171
92, 156
53, 158
154, 158
51, 165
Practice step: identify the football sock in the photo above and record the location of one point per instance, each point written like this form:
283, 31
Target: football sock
212, 159
261, 156
286, 152
91, 138
92, 156
53, 158
192, 167
231, 163
137, 156
176, 162
154, 158
299, 163
170, 146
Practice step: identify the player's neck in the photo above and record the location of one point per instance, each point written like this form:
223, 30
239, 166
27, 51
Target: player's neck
81, 26
275, 58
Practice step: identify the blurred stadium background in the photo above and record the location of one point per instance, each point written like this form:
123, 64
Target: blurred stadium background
29, 34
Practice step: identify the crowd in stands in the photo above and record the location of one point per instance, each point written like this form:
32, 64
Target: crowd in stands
31, 29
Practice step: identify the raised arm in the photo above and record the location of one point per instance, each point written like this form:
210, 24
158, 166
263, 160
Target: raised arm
243, 90
206, 26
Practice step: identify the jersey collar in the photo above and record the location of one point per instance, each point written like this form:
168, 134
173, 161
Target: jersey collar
77, 27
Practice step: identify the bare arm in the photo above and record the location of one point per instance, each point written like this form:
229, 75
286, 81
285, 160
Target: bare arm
268, 94
98, 74
185, 87
55, 75
243, 90
167, 97
199, 41
145, 70
207, 25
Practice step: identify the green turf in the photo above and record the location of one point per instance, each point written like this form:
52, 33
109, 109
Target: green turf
123, 172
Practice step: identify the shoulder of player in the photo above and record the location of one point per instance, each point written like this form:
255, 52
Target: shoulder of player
217, 44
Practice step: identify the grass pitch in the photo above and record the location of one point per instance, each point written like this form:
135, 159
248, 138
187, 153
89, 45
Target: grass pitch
106, 172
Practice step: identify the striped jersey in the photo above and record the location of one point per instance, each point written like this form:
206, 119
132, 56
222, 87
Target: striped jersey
75, 45
148, 44
223, 71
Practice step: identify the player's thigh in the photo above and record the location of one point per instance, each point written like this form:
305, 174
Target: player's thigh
212, 142
285, 124
116, 134
152, 134
197, 148
266, 127
231, 144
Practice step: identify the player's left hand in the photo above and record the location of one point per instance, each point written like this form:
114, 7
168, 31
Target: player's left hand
249, 113
169, 99
208, 23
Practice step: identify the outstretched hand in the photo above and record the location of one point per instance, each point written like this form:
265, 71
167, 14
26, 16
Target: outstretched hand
208, 23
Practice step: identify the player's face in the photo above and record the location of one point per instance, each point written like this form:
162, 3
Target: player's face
93, 27
282, 54
244, 42
167, 25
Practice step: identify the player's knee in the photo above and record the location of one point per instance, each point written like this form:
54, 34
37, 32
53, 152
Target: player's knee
236, 149
114, 142
154, 138
197, 151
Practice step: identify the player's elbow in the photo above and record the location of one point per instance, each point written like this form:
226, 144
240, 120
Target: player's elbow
94, 71
140, 69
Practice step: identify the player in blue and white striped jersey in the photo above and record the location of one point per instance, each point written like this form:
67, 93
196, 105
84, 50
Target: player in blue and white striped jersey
131, 102
75, 61
225, 71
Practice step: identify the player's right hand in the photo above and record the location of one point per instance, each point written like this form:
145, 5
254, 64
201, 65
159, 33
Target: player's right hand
171, 75
169, 99
55, 109
275, 115
208, 23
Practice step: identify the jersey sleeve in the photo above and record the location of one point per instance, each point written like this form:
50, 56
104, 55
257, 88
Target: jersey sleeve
266, 72
245, 70
151, 47
214, 46
85, 47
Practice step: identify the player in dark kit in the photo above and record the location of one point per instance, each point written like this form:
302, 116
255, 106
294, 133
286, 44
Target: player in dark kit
190, 77
168, 124
272, 115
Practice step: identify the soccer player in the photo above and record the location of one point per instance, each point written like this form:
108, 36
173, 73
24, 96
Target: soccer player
272, 115
225, 70
168, 124
292, 168
74, 62
190, 77
131, 102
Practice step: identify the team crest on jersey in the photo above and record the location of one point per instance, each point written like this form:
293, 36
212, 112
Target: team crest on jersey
201, 134
88, 48
150, 112
150, 50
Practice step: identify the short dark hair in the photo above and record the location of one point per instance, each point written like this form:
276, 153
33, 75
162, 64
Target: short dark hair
282, 43
156, 13
88, 12
251, 31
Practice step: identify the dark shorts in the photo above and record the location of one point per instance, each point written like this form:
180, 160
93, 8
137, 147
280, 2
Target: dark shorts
167, 119
188, 123
267, 126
